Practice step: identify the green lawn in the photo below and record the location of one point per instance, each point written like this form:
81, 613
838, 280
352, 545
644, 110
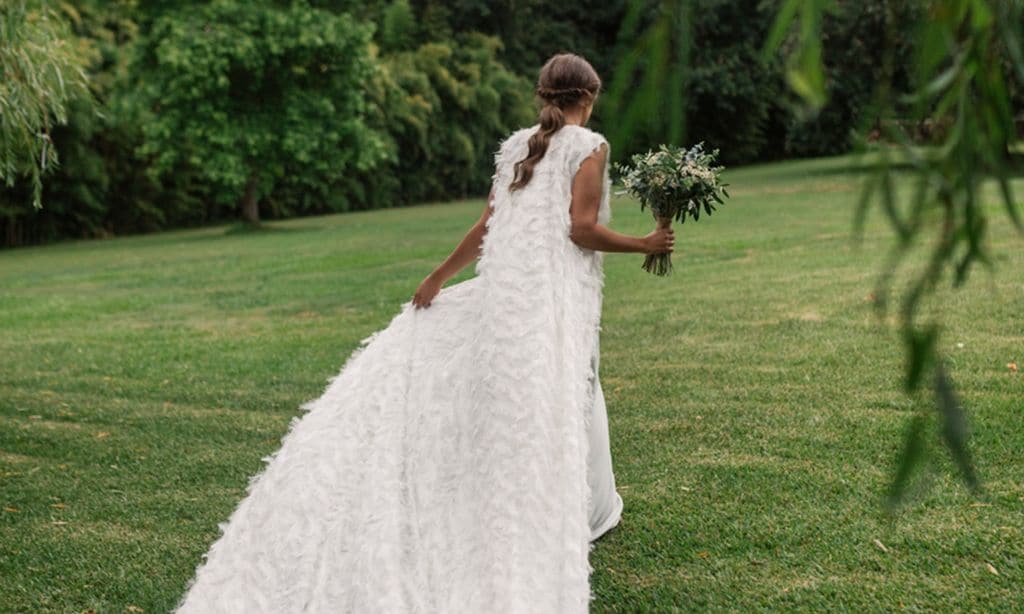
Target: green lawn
754, 400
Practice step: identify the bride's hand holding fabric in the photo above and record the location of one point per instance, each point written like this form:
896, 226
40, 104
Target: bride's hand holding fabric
465, 252
428, 289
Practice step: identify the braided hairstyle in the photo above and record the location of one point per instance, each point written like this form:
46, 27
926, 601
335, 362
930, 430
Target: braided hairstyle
566, 81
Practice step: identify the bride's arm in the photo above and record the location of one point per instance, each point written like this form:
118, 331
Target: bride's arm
465, 252
586, 199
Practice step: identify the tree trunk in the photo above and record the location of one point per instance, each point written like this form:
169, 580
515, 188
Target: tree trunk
250, 205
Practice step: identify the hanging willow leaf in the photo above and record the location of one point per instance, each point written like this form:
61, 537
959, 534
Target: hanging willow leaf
912, 455
783, 21
650, 82
1010, 204
954, 426
860, 212
920, 352
940, 83
805, 67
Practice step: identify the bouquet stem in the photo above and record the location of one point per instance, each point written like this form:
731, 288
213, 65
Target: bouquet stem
659, 264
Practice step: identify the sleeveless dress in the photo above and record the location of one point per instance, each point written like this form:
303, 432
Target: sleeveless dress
459, 460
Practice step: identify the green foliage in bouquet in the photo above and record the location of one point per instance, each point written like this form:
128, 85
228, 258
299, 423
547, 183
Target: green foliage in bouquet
674, 183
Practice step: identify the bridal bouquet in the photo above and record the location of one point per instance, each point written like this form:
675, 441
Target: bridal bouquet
674, 183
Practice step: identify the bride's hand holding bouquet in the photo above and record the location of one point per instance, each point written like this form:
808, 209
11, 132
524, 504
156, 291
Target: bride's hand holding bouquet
673, 183
659, 241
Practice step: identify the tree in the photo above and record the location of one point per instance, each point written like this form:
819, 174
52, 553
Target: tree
531, 30
254, 95
41, 74
442, 107
446, 106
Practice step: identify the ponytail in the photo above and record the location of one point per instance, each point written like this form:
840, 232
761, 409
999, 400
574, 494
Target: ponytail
551, 121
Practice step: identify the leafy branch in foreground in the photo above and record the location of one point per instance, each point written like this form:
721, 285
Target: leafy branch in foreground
650, 79
961, 88
41, 73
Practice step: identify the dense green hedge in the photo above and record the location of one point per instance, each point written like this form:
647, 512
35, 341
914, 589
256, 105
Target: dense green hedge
335, 105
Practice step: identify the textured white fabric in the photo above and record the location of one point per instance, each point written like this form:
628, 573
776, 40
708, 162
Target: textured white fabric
444, 469
605, 502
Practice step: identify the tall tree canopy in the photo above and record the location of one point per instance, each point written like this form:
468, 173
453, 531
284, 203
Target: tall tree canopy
254, 95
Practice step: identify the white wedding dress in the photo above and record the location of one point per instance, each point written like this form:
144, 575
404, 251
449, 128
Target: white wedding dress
459, 462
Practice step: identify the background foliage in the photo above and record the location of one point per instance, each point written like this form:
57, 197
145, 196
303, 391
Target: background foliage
422, 92
41, 72
252, 96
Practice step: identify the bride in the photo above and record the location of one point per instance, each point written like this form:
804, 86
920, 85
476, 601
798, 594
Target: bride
459, 461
